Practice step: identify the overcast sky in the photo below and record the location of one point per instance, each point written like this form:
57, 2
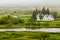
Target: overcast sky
7, 3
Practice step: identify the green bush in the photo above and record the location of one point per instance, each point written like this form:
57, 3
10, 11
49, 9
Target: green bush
4, 19
9, 19
45, 24
17, 21
27, 23
33, 36
57, 24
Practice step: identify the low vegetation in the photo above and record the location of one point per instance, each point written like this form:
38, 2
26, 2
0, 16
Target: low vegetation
9, 21
27, 19
24, 35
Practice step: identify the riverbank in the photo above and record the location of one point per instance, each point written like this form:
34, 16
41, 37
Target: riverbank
8, 26
29, 35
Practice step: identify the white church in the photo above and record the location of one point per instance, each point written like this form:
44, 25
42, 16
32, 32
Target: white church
15, 15
46, 17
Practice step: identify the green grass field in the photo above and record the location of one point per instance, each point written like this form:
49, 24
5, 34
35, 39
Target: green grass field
24, 35
26, 17
27, 23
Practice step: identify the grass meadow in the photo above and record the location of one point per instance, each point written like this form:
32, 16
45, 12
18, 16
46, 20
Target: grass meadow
28, 35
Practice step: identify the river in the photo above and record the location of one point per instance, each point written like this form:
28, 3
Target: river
41, 29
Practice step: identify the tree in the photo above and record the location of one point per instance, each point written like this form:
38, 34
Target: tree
48, 12
33, 16
43, 11
35, 12
54, 14
40, 14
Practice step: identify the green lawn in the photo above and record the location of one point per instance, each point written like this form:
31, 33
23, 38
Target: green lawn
24, 35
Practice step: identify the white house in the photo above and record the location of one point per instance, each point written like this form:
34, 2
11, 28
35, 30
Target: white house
47, 17
37, 17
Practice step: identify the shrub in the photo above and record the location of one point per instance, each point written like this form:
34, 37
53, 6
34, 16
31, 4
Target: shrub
28, 23
33, 36
45, 24
9, 19
57, 24
44, 36
4, 19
